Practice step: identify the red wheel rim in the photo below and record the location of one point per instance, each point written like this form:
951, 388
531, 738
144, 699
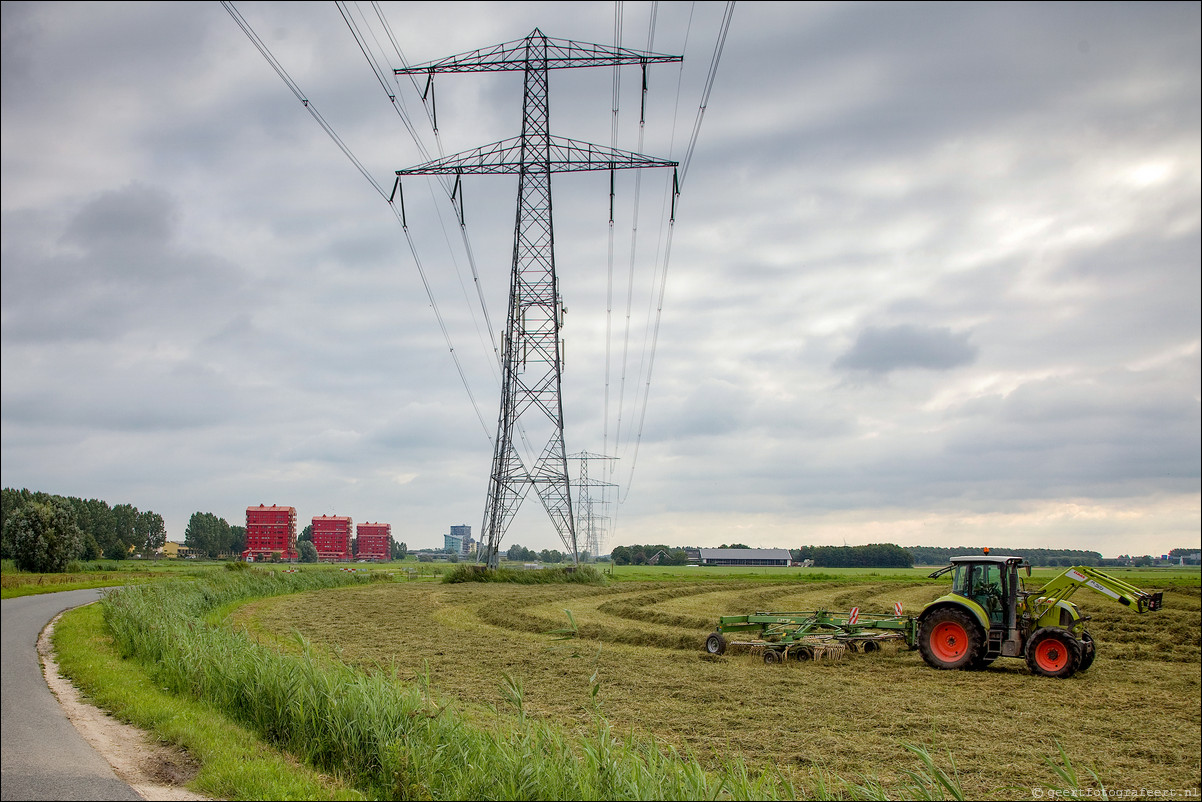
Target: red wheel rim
1051, 654
949, 641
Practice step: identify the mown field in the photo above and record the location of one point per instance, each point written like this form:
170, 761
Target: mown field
1134, 718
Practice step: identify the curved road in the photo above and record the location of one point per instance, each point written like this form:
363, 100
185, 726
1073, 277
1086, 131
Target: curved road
42, 756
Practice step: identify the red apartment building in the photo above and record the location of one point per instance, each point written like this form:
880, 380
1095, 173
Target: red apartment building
374, 543
270, 531
332, 537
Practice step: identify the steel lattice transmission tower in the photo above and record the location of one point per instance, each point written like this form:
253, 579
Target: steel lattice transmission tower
532, 365
586, 515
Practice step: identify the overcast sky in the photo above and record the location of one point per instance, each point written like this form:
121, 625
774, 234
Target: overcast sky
934, 278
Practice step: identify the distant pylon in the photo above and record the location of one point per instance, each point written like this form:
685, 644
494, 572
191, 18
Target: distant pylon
586, 514
532, 355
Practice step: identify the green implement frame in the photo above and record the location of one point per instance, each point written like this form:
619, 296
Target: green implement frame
810, 634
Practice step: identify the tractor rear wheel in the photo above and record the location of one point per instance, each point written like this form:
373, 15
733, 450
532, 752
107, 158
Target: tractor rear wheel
1054, 652
950, 639
715, 643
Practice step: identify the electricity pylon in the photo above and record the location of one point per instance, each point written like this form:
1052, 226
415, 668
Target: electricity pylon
532, 351
585, 514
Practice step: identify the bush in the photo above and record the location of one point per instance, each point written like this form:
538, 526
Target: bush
581, 575
44, 536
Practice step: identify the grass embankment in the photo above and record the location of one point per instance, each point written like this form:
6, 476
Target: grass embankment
231, 761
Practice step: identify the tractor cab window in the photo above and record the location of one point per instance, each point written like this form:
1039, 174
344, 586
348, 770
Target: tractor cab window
983, 583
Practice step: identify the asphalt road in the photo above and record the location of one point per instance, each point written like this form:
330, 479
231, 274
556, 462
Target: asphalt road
42, 756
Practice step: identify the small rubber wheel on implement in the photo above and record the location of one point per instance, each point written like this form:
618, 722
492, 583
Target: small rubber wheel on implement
715, 643
1054, 652
801, 653
1089, 650
771, 657
870, 646
950, 639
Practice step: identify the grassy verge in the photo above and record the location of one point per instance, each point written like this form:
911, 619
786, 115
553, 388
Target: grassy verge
234, 763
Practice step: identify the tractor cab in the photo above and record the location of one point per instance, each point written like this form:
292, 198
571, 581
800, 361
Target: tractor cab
992, 584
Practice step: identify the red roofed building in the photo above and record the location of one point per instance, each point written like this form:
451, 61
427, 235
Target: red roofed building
332, 537
270, 532
374, 542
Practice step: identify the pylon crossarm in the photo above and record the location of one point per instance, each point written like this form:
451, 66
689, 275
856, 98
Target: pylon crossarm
515, 56
565, 156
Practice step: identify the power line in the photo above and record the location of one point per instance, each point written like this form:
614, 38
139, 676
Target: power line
711, 76
398, 213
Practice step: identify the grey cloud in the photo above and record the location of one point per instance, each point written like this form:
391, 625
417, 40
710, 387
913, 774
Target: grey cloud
136, 216
882, 350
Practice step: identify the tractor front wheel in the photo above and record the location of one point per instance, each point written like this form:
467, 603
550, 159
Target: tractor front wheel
1054, 652
715, 643
950, 639
1089, 650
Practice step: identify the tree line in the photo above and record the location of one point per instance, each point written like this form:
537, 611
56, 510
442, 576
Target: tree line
644, 554
208, 535
43, 532
874, 555
932, 555
521, 554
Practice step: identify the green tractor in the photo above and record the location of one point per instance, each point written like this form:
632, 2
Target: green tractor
990, 614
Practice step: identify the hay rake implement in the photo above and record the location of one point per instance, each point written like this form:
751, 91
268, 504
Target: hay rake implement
990, 613
817, 635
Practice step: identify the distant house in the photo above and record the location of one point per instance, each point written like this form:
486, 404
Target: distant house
174, 550
757, 557
657, 557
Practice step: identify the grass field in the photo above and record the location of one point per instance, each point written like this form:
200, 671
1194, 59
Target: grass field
1134, 717
96, 574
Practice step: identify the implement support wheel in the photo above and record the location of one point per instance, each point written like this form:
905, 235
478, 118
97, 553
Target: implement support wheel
771, 656
1054, 652
715, 643
950, 639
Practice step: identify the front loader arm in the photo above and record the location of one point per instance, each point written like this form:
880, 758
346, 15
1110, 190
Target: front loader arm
1066, 583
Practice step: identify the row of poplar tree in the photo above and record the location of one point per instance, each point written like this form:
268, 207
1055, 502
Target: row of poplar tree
45, 533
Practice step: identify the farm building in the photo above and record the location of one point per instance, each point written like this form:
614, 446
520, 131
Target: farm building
374, 542
175, 550
270, 532
332, 537
765, 557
